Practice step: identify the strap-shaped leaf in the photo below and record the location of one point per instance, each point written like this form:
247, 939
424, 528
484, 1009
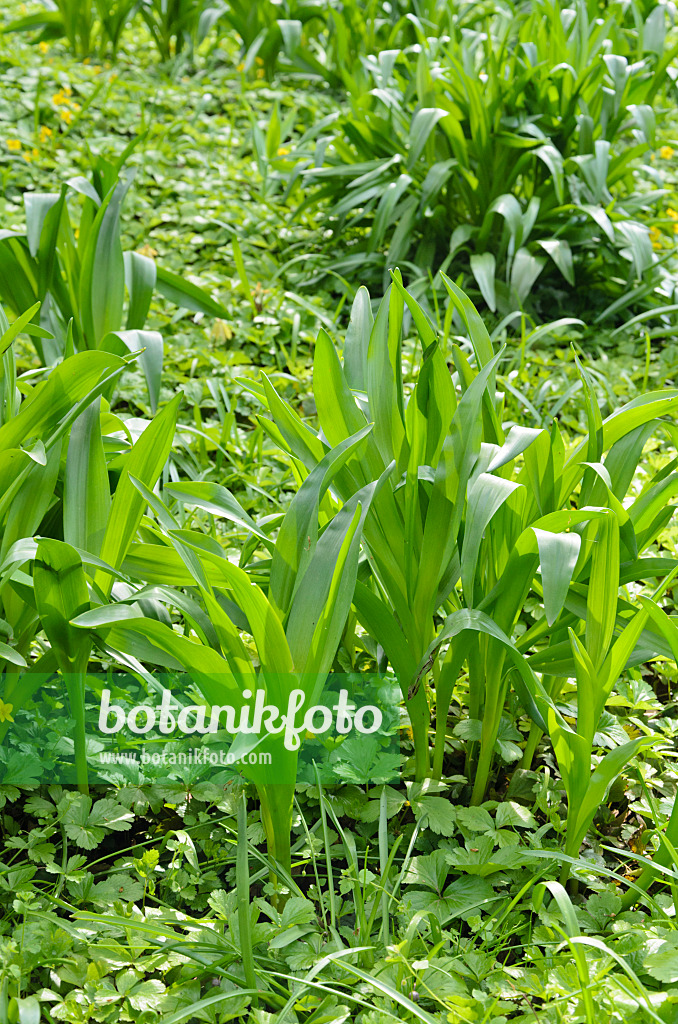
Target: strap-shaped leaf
183, 292
486, 495
150, 346
323, 598
357, 341
61, 594
102, 278
140, 278
119, 624
383, 375
601, 603
145, 461
296, 542
531, 692
87, 500
49, 402
218, 501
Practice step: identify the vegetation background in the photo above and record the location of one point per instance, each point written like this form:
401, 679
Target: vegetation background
338, 344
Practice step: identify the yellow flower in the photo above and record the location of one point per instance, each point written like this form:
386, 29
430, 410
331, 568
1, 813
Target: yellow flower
259, 60
283, 151
76, 234
27, 157
6, 712
43, 47
655, 237
66, 116
85, 60
13, 145
45, 132
260, 73
666, 152
148, 250
58, 98
241, 66
673, 214
221, 330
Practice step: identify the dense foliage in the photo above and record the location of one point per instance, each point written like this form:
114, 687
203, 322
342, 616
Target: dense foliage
336, 350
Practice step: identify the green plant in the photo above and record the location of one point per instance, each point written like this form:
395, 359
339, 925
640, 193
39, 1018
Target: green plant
33, 437
81, 276
88, 25
508, 150
57, 513
470, 522
296, 627
178, 24
271, 31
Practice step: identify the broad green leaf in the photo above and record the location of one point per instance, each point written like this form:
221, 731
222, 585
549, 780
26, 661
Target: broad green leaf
150, 345
145, 461
301, 441
140, 278
183, 292
50, 401
323, 599
32, 501
296, 542
601, 603
61, 594
118, 626
338, 413
102, 278
602, 778
219, 501
486, 495
357, 341
17, 327
561, 254
483, 268
86, 501
532, 694
383, 386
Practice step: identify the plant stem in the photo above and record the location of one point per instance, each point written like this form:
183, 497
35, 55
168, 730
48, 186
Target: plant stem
482, 773
75, 684
276, 816
439, 746
242, 884
418, 711
534, 735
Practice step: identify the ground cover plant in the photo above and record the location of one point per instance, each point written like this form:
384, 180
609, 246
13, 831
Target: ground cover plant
337, 358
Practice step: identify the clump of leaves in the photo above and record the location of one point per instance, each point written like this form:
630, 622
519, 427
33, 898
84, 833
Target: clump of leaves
506, 152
